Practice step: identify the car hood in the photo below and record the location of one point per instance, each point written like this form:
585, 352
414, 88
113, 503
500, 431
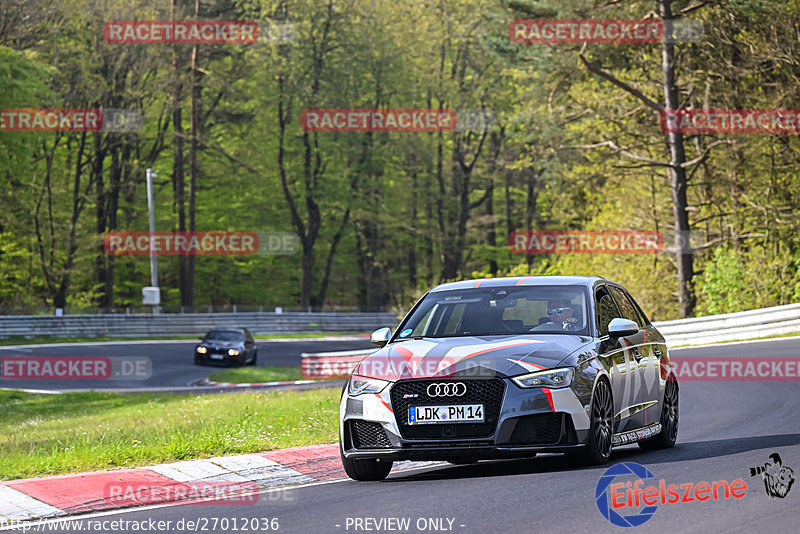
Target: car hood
461, 357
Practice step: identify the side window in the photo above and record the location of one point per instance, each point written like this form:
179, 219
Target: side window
627, 309
645, 320
606, 310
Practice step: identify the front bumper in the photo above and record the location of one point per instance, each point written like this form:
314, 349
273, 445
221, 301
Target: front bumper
220, 357
525, 422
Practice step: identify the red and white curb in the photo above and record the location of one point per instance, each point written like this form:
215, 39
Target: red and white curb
40, 498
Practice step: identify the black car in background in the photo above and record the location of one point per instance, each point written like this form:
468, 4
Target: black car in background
234, 346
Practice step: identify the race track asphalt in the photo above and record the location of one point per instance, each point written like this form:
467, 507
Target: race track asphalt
173, 367
725, 428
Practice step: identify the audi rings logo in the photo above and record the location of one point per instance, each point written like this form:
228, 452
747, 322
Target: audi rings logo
447, 389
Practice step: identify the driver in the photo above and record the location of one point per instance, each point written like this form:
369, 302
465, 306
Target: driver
560, 312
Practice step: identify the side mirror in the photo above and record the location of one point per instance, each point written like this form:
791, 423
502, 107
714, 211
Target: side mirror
380, 336
619, 327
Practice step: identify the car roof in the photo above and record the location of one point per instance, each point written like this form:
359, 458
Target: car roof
226, 329
512, 281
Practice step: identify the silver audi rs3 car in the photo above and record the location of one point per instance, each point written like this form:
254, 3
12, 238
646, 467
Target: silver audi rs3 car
510, 367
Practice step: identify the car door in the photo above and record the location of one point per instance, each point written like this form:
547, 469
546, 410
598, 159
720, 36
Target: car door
636, 353
650, 366
616, 359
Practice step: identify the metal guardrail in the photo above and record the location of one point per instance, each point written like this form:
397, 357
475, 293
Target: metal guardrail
681, 332
732, 326
147, 325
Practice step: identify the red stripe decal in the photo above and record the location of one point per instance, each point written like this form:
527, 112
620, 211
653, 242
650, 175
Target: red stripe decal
484, 351
526, 365
521, 280
404, 352
549, 395
478, 283
384, 403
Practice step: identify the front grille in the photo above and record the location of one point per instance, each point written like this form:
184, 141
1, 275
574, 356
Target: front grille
369, 435
542, 428
487, 392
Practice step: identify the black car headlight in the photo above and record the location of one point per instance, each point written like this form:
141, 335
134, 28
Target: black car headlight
549, 378
360, 385
201, 350
233, 352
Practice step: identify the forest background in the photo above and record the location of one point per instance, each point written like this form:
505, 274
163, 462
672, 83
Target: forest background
382, 217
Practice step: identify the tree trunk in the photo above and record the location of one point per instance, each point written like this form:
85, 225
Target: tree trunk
195, 121
100, 216
178, 180
677, 175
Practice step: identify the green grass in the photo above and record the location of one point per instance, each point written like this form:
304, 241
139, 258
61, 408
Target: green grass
44, 435
39, 340
256, 374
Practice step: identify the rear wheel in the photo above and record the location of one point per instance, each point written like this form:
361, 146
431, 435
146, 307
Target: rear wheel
669, 420
601, 428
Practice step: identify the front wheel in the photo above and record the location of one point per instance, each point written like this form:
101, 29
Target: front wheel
366, 470
601, 428
669, 421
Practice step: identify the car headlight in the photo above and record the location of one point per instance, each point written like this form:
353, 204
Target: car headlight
233, 352
549, 378
202, 350
360, 385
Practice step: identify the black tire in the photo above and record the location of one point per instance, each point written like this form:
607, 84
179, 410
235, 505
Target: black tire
255, 358
366, 470
601, 428
669, 420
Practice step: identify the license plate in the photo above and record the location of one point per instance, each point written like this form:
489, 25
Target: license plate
418, 415
216, 356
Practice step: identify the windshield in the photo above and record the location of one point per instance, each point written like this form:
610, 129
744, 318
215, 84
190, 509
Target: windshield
499, 311
224, 335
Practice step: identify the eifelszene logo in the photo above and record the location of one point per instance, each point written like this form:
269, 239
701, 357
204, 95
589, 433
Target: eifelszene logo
778, 478
644, 500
